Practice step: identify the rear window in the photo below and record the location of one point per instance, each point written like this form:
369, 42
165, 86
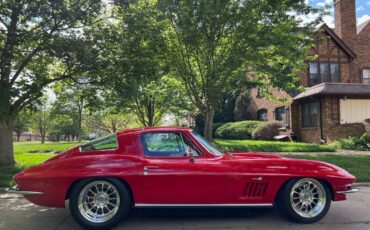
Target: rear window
103, 143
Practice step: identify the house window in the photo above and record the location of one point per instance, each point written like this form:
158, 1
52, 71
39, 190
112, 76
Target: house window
280, 113
309, 114
314, 74
366, 76
334, 72
262, 115
323, 72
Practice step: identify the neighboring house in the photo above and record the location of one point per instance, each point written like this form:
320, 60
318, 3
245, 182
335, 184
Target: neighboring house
26, 136
337, 99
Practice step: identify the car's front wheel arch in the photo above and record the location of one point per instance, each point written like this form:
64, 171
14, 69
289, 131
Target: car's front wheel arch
327, 183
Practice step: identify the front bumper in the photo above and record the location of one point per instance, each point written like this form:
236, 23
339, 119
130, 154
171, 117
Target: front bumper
15, 190
348, 190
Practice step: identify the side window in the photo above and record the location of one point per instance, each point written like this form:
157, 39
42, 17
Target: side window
104, 143
166, 144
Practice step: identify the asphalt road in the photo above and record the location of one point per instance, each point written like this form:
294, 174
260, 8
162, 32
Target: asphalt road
18, 213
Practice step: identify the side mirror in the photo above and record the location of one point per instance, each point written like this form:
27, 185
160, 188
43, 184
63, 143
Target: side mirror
190, 154
191, 158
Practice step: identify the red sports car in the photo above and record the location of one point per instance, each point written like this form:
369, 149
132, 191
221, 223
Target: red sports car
175, 167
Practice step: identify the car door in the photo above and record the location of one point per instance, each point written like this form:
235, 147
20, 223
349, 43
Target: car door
169, 176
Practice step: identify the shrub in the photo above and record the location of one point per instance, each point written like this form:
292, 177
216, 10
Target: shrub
266, 131
354, 143
215, 126
241, 130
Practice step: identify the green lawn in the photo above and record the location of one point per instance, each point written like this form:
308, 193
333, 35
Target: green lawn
28, 154
272, 146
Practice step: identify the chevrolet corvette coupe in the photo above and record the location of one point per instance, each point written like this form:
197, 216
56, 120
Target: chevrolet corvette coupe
102, 180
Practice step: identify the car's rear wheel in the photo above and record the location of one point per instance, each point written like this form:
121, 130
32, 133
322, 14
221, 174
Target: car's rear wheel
99, 203
304, 200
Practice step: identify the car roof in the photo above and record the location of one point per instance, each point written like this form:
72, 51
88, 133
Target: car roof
153, 129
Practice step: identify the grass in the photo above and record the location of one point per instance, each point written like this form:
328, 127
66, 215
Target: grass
272, 146
357, 165
28, 154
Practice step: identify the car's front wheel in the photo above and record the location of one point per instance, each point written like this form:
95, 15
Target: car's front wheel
99, 203
304, 200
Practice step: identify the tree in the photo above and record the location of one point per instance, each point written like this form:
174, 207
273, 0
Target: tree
63, 128
176, 100
241, 105
72, 98
212, 43
109, 120
21, 123
43, 118
37, 39
141, 51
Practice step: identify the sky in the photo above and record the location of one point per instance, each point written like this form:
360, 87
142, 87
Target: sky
362, 10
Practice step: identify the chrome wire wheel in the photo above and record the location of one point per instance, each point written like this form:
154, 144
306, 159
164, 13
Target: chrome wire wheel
308, 197
99, 201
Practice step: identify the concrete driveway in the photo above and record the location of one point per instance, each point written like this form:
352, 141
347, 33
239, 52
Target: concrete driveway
18, 213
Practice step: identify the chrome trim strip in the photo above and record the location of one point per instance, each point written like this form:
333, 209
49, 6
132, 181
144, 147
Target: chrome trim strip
352, 190
15, 190
202, 205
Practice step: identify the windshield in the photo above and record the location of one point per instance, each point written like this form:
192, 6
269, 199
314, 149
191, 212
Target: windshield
206, 144
103, 143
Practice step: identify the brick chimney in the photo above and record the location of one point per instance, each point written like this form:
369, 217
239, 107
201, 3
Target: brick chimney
345, 21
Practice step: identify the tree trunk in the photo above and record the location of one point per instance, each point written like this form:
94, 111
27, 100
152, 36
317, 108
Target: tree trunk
6, 144
208, 115
18, 136
42, 138
79, 134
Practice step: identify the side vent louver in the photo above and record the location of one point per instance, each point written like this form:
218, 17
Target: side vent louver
255, 189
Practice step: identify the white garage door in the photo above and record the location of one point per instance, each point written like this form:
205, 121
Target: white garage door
354, 111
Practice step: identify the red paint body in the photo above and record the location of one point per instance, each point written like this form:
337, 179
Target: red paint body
210, 179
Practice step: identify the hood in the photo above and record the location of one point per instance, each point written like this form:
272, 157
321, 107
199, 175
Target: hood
266, 162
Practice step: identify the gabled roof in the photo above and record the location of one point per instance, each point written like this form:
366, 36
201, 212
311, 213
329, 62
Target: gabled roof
338, 40
362, 26
329, 88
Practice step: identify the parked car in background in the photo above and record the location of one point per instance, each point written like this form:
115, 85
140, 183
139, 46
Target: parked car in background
175, 167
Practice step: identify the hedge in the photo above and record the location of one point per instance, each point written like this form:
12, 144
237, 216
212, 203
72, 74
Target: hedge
267, 131
241, 130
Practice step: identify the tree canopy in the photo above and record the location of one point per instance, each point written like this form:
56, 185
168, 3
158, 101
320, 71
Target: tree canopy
143, 57
214, 43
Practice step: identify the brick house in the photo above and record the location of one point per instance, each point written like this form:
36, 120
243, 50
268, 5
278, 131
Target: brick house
337, 97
